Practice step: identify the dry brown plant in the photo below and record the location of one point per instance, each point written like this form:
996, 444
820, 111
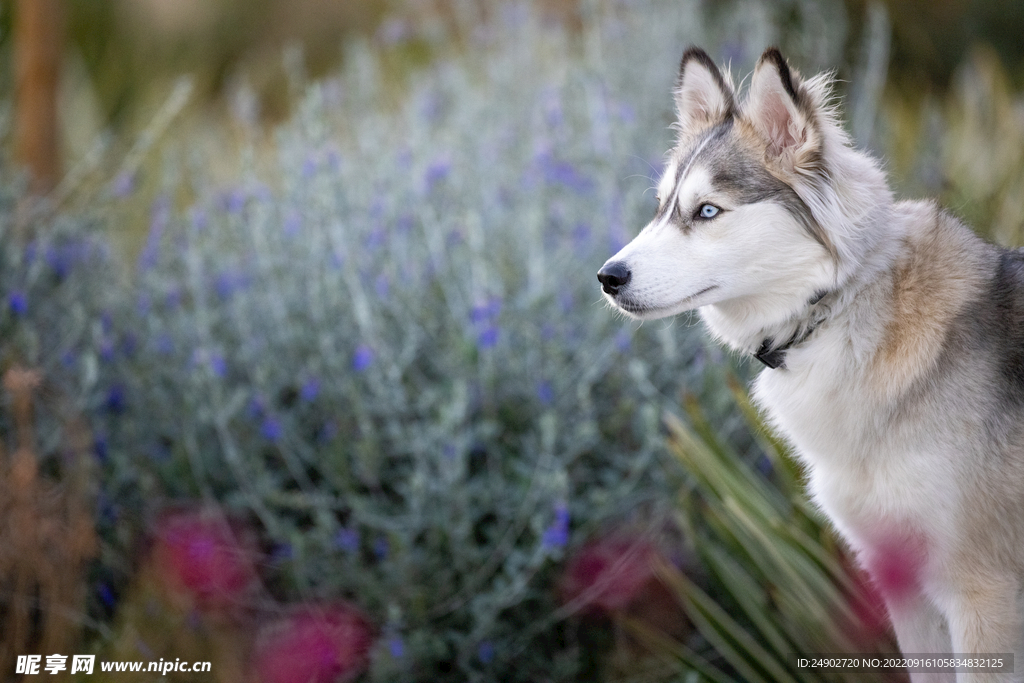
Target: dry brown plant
47, 534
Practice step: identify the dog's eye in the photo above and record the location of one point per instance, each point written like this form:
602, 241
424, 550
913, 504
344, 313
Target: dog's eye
708, 211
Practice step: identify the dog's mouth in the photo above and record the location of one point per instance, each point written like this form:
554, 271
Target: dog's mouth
646, 311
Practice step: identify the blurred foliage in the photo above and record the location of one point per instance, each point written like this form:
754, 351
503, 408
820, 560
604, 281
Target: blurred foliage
931, 39
777, 586
966, 148
382, 341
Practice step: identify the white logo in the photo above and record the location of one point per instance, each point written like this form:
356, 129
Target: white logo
55, 663
82, 663
28, 664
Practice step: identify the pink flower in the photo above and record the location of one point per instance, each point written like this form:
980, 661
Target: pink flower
316, 644
206, 556
609, 574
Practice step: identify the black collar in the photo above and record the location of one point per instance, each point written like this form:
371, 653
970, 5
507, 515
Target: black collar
775, 357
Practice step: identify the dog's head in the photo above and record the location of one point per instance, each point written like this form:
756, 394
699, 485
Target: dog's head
735, 220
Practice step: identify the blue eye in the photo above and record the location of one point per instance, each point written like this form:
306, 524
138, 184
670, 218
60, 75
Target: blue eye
708, 211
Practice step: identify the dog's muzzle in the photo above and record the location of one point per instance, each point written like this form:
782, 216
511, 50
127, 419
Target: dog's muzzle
613, 276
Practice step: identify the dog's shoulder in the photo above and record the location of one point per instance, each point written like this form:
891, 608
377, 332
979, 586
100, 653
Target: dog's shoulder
987, 334
939, 269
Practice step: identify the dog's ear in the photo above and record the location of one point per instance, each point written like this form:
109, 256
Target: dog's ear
783, 112
703, 96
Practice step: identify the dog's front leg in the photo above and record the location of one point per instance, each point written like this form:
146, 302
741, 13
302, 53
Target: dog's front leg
985, 620
920, 629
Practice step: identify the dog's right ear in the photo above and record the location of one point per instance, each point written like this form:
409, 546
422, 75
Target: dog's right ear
703, 96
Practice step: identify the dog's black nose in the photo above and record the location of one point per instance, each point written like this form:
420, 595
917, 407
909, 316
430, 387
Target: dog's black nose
613, 276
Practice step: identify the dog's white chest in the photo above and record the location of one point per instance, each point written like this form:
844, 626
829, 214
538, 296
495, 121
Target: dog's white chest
881, 487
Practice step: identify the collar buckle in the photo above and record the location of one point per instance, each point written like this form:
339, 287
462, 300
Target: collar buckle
773, 359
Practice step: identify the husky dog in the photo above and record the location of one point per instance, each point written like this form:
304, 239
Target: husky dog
893, 340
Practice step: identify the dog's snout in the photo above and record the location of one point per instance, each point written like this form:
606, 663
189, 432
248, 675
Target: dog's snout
613, 276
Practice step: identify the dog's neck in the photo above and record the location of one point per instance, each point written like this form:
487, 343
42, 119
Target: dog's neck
772, 351
766, 326
769, 335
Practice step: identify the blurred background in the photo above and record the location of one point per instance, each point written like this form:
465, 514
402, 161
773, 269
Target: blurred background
306, 374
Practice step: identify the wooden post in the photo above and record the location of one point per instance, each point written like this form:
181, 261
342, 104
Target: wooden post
38, 38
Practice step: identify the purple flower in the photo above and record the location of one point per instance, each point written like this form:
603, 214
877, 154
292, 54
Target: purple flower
362, 358
623, 340
199, 219
581, 234
107, 349
488, 338
115, 401
159, 217
31, 251
281, 552
257, 408
235, 201
18, 303
383, 286
130, 344
396, 646
310, 390
487, 311
143, 304
99, 447
625, 112
436, 172
393, 31
381, 548
347, 539
377, 238
123, 185
566, 301
292, 224
106, 594
557, 534
309, 167
60, 259
107, 510
328, 430
218, 365
732, 51
545, 394
271, 429
556, 172
404, 224
484, 316
164, 344
173, 299
333, 157
224, 285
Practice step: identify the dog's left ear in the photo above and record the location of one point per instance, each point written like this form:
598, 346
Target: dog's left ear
782, 111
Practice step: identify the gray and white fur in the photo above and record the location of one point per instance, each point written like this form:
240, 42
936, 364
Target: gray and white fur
893, 336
